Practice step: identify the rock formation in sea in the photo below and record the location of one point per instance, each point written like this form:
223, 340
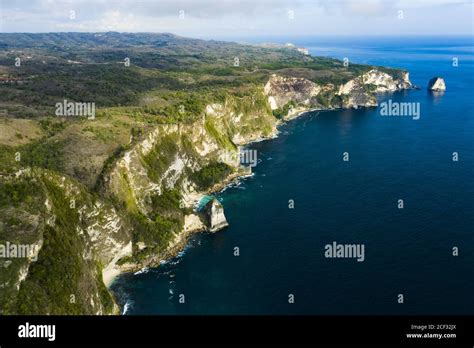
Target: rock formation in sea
215, 216
437, 84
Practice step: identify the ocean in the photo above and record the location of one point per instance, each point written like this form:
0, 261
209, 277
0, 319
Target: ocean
281, 251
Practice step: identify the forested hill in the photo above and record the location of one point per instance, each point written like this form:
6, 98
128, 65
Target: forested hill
92, 66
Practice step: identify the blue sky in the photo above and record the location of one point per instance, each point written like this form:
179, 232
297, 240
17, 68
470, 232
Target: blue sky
244, 18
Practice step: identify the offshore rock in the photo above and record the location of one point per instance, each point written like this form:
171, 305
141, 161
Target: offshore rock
437, 84
215, 218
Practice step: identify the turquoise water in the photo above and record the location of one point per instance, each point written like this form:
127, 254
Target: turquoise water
203, 201
407, 251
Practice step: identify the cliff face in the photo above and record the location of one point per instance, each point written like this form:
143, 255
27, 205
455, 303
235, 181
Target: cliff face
144, 210
71, 234
358, 92
166, 161
361, 90
166, 156
282, 90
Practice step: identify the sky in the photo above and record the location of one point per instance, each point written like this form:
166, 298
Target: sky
245, 18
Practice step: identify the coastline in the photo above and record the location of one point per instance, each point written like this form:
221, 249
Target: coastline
109, 274
180, 242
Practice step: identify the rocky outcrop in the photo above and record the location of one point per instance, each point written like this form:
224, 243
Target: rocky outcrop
361, 90
215, 218
281, 90
358, 92
437, 84
385, 82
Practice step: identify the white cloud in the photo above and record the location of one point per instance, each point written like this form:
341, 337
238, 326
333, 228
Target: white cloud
110, 21
241, 17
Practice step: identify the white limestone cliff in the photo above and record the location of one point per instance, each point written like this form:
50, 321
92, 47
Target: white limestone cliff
358, 92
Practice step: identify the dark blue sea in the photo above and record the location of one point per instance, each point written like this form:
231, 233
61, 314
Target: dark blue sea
408, 251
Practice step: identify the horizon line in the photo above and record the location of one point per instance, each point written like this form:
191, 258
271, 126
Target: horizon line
258, 35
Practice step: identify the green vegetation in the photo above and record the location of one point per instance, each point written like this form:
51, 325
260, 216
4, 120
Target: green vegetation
329, 99
187, 107
221, 138
44, 154
49, 284
157, 228
52, 127
53, 287
369, 88
280, 113
168, 200
160, 157
211, 174
108, 164
19, 200
156, 234
104, 295
189, 73
16, 192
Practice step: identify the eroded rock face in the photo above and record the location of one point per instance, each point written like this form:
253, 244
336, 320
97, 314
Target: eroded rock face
359, 91
385, 82
354, 94
132, 181
437, 84
215, 216
281, 90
